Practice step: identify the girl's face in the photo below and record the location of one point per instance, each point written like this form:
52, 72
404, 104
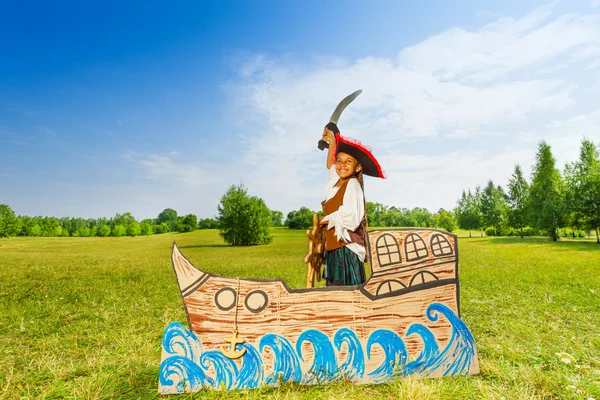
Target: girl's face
346, 166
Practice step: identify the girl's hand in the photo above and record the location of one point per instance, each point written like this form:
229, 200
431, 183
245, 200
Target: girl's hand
328, 136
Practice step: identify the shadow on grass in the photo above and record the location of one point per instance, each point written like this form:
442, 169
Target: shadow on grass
566, 243
198, 246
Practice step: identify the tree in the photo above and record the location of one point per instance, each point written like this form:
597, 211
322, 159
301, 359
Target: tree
300, 219
161, 228
134, 229
421, 217
375, 213
121, 219
103, 231
188, 223
50, 226
243, 220
118, 230
493, 206
392, 216
146, 228
35, 230
467, 212
83, 231
477, 197
277, 218
445, 220
208, 223
73, 226
518, 193
546, 196
583, 182
168, 216
9, 224
27, 225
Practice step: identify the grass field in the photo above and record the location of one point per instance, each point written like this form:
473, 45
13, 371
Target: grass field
84, 317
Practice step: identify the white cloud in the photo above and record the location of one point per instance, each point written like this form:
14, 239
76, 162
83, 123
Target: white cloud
167, 168
452, 111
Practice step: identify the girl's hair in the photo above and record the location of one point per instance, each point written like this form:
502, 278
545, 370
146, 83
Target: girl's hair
359, 176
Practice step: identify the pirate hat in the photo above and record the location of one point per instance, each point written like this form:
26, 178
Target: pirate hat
362, 153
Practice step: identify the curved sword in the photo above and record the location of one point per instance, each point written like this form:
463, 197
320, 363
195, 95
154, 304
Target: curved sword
337, 113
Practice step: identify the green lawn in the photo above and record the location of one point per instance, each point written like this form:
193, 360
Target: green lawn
84, 317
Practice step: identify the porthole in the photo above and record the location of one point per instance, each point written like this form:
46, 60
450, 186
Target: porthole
225, 299
256, 301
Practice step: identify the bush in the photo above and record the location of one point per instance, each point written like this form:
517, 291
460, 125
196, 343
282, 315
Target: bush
118, 230
134, 229
571, 233
9, 224
35, 230
161, 228
208, 223
300, 219
168, 216
502, 231
146, 229
243, 220
277, 218
188, 223
104, 231
529, 231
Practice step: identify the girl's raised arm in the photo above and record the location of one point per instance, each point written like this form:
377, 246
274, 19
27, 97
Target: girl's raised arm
329, 137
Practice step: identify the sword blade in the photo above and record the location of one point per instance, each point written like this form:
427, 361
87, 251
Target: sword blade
342, 106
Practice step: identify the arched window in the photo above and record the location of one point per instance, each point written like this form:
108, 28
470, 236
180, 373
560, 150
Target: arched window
415, 248
422, 277
440, 246
389, 286
388, 251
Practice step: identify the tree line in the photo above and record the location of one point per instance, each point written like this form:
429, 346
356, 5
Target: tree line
552, 203
119, 225
380, 215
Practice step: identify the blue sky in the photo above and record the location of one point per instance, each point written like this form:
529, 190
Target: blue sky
110, 107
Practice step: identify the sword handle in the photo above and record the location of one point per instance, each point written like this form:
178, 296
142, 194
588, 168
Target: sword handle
323, 145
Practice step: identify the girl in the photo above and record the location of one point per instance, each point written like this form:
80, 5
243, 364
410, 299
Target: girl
344, 208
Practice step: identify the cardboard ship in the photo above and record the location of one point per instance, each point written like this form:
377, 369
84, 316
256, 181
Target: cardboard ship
244, 333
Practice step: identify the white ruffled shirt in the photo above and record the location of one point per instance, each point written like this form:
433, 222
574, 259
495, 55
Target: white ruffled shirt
350, 214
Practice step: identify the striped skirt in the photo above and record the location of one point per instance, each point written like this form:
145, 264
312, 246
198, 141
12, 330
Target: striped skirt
343, 268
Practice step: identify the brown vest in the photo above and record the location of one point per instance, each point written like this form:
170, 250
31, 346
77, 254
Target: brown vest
333, 204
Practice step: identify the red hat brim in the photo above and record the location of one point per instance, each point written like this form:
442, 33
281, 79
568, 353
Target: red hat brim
362, 153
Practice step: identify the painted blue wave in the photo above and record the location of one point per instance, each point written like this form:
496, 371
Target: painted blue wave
251, 374
190, 377
324, 366
177, 340
457, 356
188, 368
225, 368
428, 355
395, 352
354, 366
286, 365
